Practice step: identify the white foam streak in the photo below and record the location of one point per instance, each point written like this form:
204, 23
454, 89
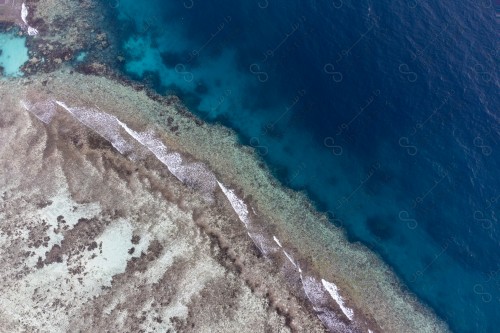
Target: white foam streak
195, 174
32, 31
312, 288
241, 209
117, 133
334, 292
42, 110
24, 13
290, 258
331, 322
104, 124
258, 242
238, 205
315, 294
172, 161
24, 16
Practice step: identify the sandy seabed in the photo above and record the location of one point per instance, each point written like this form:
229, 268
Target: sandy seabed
120, 212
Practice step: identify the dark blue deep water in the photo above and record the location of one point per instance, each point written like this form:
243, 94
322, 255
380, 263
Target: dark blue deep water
386, 113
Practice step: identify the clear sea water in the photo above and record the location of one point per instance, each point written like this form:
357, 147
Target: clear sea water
387, 114
13, 54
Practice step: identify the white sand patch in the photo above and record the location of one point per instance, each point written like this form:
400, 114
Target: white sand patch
334, 292
116, 241
64, 205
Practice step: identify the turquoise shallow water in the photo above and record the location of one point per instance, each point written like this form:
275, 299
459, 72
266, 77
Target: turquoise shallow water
13, 54
385, 114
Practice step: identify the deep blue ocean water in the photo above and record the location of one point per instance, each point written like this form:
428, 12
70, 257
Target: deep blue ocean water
387, 114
